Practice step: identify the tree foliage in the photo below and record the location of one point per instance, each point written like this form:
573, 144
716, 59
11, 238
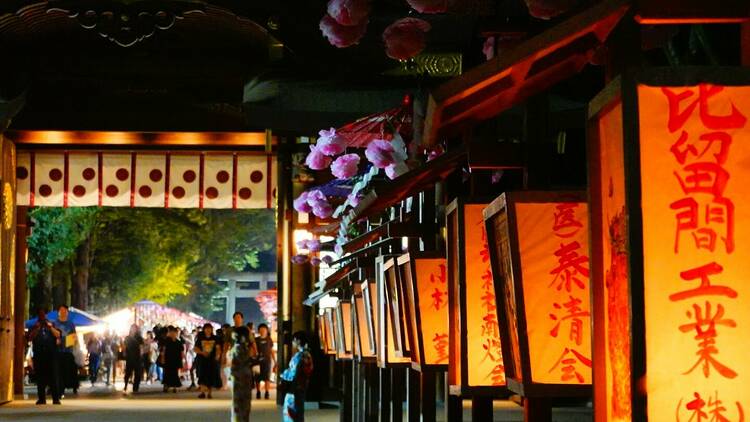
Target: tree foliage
170, 256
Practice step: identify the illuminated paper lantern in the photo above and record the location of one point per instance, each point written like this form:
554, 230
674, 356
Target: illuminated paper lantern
476, 365
396, 299
425, 281
387, 316
364, 347
669, 215
370, 299
344, 330
326, 341
539, 247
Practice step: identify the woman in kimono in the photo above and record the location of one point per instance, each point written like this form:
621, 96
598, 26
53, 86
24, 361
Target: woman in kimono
295, 379
242, 356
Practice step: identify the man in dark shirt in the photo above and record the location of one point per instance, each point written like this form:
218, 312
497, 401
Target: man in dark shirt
266, 357
68, 368
44, 337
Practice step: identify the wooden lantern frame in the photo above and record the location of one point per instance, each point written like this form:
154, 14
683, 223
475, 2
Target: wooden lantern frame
458, 375
344, 330
395, 296
623, 92
500, 219
365, 348
329, 317
410, 284
326, 340
388, 356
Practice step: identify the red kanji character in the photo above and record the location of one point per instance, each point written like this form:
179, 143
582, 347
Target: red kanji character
487, 280
571, 264
682, 148
568, 368
705, 329
677, 117
440, 344
441, 277
704, 177
566, 225
706, 288
574, 313
488, 301
719, 212
437, 299
490, 326
699, 410
492, 349
498, 374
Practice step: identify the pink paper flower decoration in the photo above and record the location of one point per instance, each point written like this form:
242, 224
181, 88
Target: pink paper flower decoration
380, 153
405, 38
345, 166
316, 160
390, 171
299, 259
329, 143
338, 249
313, 245
328, 259
339, 35
349, 12
302, 244
429, 6
489, 48
316, 198
301, 205
548, 9
322, 210
315, 261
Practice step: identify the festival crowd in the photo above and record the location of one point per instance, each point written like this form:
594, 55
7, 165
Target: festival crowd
173, 356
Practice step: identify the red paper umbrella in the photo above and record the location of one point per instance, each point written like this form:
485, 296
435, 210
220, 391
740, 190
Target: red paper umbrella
361, 132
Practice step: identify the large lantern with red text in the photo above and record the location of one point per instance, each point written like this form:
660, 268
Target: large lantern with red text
539, 252
424, 280
476, 359
669, 218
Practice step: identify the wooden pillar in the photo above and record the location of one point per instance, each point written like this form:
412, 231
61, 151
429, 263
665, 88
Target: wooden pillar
356, 392
537, 409
454, 406
481, 409
346, 396
19, 298
429, 393
398, 379
385, 394
373, 396
414, 399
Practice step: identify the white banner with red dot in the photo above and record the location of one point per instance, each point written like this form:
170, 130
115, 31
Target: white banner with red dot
146, 179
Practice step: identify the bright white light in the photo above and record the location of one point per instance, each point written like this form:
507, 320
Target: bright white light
120, 321
301, 235
328, 301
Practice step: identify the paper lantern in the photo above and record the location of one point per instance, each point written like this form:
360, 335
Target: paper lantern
326, 341
388, 356
344, 330
476, 365
364, 347
396, 298
370, 298
425, 280
539, 253
669, 215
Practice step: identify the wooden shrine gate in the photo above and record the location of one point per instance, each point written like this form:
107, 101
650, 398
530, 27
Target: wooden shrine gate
80, 169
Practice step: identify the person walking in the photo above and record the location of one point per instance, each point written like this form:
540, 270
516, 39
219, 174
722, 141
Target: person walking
109, 356
208, 347
153, 358
266, 359
295, 380
44, 337
172, 355
68, 369
94, 347
133, 358
242, 355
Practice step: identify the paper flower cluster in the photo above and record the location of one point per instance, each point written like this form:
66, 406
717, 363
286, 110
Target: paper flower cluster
429, 6
349, 12
548, 9
346, 22
314, 201
345, 166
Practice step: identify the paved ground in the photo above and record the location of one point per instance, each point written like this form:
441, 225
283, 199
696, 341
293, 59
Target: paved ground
104, 404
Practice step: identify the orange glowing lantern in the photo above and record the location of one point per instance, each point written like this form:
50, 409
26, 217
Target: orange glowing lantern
475, 359
344, 330
325, 337
669, 216
390, 343
539, 253
424, 280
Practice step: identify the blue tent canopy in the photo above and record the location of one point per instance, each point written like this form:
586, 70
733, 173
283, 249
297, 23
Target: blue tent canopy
78, 317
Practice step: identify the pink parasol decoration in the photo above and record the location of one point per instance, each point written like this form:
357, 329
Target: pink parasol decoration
361, 132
